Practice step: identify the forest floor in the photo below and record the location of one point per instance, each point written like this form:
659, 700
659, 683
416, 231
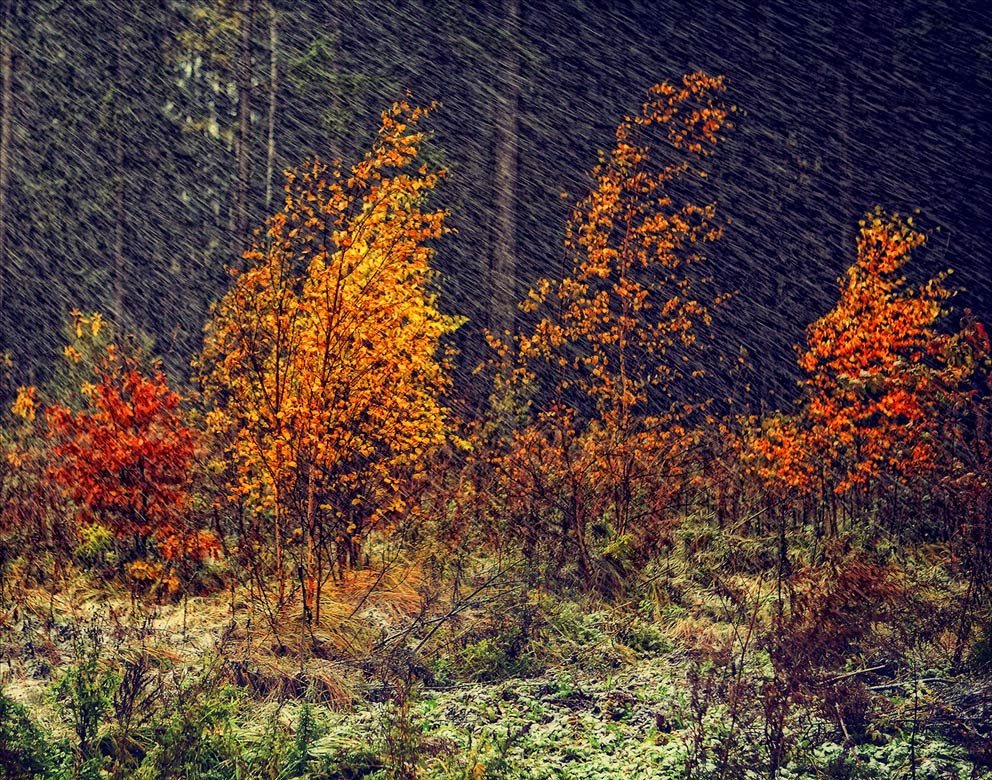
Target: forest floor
403, 676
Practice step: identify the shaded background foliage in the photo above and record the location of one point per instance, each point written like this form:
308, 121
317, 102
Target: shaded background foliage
123, 151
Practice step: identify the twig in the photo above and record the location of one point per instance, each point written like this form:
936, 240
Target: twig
855, 673
382, 574
437, 622
460, 607
840, 720
888, 686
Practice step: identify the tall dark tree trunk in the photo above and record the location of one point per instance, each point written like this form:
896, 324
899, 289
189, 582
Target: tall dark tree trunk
504, 262
270, 156
6, 109
241, 220
846, 27
334, 136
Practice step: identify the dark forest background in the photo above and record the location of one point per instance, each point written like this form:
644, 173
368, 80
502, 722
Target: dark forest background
142, 143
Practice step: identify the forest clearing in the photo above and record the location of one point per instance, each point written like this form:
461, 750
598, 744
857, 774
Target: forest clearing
383, 514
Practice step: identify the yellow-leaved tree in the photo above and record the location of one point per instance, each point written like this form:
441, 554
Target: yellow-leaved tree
323, 366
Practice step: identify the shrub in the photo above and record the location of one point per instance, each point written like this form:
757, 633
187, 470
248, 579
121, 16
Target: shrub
24, 749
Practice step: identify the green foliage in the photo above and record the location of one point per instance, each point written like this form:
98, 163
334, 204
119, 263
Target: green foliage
96, 545
307, 731
190, 742
980, 657
83, 696
929, 758
506, 643
645, 639
492, 658
401, 739
651, 718
25, 752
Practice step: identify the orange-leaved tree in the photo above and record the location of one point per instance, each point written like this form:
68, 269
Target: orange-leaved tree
876, 364
615, 331
612, 324
324, 365
881, 372
33, 522
122, 453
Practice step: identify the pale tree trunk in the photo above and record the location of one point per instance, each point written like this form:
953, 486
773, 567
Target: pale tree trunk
120, 179
277, 529
6, 109
311, 528
504, 260
270, 157
306, 573
244, 128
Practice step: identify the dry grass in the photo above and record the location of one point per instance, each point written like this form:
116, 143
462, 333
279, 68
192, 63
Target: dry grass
242, 635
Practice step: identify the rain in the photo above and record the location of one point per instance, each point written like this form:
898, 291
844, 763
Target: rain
123, 146
645, 464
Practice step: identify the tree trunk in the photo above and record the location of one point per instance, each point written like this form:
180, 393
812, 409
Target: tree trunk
277, 536
306, 569
120, 178
310, 531
504, 262
334, 139
6, 109
241, 219
270, 157
845, 23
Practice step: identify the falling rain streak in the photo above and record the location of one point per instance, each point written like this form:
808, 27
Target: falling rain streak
140, 144
590, 404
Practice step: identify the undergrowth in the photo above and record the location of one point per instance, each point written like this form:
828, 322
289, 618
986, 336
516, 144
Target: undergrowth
839, 663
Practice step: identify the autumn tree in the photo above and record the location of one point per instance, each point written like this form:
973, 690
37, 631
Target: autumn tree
884, 377
121, 452
33, 525
614, 324
615, 330
324, 364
